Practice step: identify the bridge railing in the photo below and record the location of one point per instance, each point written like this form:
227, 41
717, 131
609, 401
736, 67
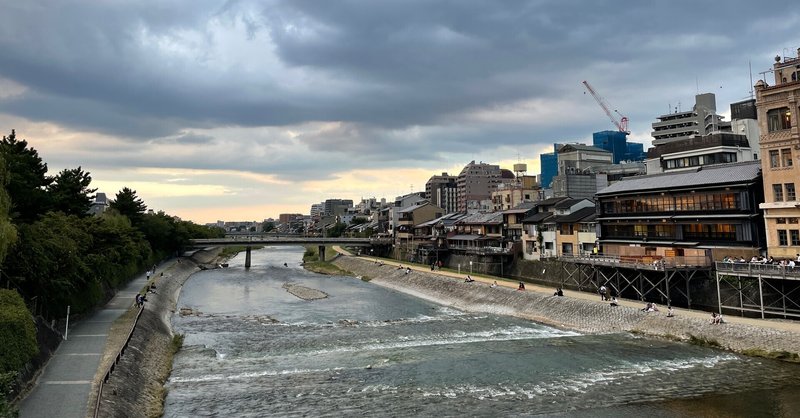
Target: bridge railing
645, 262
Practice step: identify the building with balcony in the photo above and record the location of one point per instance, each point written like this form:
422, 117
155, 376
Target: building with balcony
406, 242
701, 120
703, 214
778, 107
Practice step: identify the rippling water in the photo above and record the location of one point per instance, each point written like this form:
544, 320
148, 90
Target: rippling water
253, 349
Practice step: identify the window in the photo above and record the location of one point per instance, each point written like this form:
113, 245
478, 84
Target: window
779, 119
777, 192
790, 193
780, 220
774, 161
782, 239
566, 248
792, 220
795, 235
786, 157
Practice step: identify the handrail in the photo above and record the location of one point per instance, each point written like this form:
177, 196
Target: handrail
755, 269
114, 364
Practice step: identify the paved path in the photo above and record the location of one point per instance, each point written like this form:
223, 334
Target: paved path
783, 325
62, 390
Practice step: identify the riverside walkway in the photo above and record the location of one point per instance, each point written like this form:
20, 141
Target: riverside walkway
65, 384
776, 324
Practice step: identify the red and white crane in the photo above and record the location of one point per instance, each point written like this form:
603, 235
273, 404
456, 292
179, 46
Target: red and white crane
622, 123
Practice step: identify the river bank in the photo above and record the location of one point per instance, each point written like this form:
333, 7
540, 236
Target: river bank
136, 387
577, 314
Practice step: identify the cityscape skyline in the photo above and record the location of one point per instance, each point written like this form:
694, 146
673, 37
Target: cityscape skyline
251, 109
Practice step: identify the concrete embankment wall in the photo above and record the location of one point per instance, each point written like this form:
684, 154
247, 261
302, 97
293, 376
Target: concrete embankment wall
135, 388
569, 313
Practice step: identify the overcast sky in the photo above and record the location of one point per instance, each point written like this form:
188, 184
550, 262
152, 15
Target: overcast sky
242, 110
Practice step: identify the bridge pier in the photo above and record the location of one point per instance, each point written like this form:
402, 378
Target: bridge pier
247, 257
321, 249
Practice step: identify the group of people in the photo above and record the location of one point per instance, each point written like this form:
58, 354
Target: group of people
760, 259
436, 266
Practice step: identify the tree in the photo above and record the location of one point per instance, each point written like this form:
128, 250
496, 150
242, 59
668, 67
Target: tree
267, 226
70, 192
8, 233
27, 179
128, 204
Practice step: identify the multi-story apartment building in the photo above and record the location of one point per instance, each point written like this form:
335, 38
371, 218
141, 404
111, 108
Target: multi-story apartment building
576, 177
701, 120
510, 194
778, 106
443, 192
475, 184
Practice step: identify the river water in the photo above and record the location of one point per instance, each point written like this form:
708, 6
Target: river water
252, 349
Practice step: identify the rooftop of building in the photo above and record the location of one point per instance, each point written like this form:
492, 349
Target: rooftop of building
580, 147
577, 216
717, 175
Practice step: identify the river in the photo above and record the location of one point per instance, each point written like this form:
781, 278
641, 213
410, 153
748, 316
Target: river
253, 349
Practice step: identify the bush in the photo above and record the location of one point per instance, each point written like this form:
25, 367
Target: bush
17, 332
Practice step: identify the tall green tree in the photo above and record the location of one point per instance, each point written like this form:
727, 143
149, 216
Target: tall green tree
8, 232
27, 179
130, 205
70, 192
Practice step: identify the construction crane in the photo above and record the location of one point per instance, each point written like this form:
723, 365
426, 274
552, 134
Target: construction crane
622, 123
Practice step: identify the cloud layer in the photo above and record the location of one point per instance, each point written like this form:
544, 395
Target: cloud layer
304, 92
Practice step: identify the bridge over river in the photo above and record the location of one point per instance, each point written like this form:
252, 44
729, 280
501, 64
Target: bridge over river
260, 240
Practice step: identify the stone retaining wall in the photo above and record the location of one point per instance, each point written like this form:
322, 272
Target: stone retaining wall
569, 313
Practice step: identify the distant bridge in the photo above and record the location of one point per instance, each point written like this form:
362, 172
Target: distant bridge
250, 241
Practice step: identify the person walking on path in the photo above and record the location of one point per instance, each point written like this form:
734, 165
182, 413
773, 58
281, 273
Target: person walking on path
602, 292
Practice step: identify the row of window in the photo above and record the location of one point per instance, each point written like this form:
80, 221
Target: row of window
784, 220
781, 191
785, 237
779, 159
716, 158
692, 202
690, 231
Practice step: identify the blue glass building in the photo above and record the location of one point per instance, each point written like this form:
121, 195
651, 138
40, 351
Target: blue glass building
616, 143
549, 163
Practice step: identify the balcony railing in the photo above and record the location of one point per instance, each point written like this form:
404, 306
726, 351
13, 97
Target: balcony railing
759, 269
642, 261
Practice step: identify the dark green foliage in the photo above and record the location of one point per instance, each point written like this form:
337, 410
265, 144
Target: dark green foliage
267, 226
7, 410
17, 332
128, 204
70, 192
336, 230
27, 179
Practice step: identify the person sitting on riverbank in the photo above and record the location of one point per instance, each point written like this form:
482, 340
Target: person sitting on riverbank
614, 302
494, 284
648, 307
521, 286
408, 270
469, 280
714, 318
558, 292
670, 314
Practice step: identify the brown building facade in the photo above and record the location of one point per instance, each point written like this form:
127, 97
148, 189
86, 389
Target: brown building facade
778, 107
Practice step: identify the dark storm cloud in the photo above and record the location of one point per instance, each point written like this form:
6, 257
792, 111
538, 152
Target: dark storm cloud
152, 69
